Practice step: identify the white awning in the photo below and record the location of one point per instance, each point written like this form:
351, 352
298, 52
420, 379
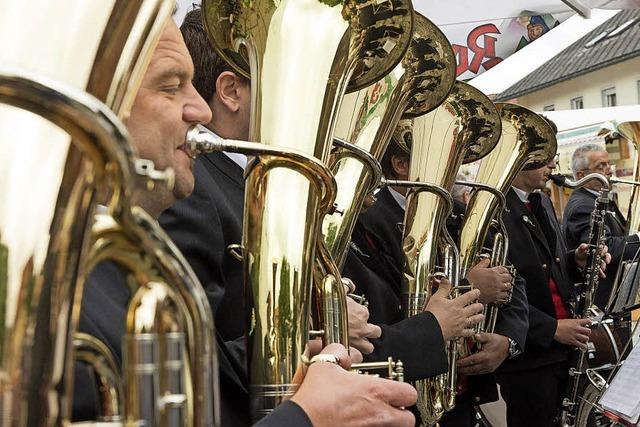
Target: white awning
573, 119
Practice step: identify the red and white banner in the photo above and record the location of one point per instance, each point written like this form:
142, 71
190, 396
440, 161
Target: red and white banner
483, 33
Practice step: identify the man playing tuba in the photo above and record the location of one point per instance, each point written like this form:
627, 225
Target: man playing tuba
384, 221
166, 106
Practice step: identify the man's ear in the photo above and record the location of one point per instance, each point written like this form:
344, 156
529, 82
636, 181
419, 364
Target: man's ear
400, 166
227, 90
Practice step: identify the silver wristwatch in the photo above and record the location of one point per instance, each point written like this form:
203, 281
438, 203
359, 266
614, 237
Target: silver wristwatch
514, 348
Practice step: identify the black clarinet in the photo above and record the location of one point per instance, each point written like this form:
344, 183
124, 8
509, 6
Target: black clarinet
584, 292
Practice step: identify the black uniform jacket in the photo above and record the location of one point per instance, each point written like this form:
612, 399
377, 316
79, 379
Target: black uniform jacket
416, 341
385, 220
203, 225
513, 319
576, 224
537, 251
371, 250
104, 306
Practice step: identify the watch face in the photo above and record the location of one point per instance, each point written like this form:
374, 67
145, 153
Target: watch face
513, 348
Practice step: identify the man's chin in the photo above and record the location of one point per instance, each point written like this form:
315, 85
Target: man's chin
183, 188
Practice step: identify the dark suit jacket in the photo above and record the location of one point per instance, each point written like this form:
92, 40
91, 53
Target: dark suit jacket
416, 341
513, 319
385, 220
537, 251
203, 225
104, 306
576, 223
512, 322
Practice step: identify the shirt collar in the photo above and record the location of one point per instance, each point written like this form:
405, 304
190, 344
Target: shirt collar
237, 158
399, 198
522, 195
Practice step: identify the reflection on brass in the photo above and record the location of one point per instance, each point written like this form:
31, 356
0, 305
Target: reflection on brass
93, 352
390, 370
527, 141
368, 117
631, 131
78, 155
45, 256
300, 56
466, 125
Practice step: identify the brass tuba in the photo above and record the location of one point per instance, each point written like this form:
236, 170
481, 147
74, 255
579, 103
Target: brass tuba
527, 141
631, 131
463, 127
300, 56
368, 117
89, 161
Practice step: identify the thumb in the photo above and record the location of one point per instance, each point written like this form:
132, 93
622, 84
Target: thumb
484, 262
444, 288
482, 337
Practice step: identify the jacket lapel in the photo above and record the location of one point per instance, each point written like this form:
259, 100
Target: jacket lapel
226, 166
529, 220
617, 217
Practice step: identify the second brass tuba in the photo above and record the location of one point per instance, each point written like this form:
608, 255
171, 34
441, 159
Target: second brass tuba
631, 131
527, 141
300, 56
464, 126
367, 118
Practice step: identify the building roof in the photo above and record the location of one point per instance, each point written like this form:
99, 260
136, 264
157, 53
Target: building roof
614, 41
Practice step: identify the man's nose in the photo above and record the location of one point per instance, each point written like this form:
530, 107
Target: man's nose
196, 110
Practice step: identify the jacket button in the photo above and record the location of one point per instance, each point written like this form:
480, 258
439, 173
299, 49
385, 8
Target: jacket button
544, 266
557, 259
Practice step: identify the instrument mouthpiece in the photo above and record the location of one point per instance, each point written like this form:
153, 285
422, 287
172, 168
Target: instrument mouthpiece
558, 179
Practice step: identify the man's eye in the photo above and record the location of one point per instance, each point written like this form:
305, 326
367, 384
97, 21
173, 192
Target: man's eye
171, 90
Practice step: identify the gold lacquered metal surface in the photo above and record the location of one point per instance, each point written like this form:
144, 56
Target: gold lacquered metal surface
380, 33
466, 124
368, 117
167, 299
300, 56
93, 352
437, 75
631, 131
106, 48
526, 139
43, 234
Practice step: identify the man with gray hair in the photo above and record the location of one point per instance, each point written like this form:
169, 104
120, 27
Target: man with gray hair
593, 158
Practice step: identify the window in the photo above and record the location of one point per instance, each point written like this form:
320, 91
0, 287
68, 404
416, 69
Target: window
577, 103
609, 97
551, 107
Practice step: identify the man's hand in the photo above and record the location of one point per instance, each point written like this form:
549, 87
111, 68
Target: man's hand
582, 253
495, 349
315, 347
573, 332
494, 282
359, 330
331, 396
456, 317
